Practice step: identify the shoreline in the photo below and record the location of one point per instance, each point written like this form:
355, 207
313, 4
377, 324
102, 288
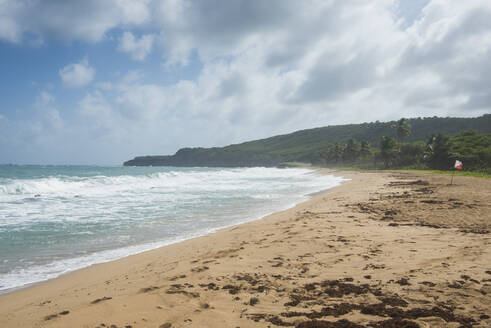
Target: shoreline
251, 274
143, 247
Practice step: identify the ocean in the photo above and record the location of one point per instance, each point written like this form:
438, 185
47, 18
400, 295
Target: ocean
56, 219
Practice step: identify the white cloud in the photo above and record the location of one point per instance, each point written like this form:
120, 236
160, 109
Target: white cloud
44, 99
272, 67
453, 44
9, 29
47, 115
95, 106
333, 63
138, 48
87, 20
77, 74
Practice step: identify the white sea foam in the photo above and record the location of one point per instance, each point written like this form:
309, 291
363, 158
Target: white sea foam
102, 185
39, 273
56, 223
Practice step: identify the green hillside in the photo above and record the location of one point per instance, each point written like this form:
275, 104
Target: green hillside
306, 145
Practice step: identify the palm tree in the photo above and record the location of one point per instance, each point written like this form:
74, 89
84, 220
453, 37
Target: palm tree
403, 128
437, 152
365, 149
350, 151
387, 150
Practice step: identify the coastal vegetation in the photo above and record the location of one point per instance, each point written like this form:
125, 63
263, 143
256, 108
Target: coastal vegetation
417, 143
439, 152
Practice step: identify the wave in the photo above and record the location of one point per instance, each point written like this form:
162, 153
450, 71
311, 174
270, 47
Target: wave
222, 179
37, 273
56, 216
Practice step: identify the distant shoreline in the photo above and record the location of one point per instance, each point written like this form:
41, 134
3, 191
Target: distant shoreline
307, 146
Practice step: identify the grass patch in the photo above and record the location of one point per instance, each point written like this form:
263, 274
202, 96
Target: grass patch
295, 164
457, 173
422, 171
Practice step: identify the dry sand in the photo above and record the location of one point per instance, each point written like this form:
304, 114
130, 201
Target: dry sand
383, 250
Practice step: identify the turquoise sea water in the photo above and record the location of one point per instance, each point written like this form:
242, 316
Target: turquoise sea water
55, 219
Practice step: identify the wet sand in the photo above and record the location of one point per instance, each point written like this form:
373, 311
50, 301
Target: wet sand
383, 250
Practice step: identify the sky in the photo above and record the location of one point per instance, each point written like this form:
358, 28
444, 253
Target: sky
102, 81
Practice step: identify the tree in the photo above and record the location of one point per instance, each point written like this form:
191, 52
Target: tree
438, 153
365, 149
388, 150
350, 151
411, 154
333, 155
469, 132
403, 128
337, 153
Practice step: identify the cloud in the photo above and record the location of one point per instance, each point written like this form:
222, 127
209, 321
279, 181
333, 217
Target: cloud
69, 20
327, 82
219, 27
77, 74
32, 139
409, 11
453, 45
47, 115
96, 106
139, 49
9, 26
44, 99
239, 70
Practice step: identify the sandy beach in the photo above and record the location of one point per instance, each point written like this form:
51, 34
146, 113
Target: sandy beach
386, 249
